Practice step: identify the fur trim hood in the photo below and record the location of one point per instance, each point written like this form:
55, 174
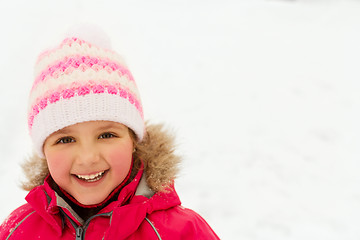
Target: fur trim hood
155, 151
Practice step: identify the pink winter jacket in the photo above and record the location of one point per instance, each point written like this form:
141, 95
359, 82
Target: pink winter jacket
132, 216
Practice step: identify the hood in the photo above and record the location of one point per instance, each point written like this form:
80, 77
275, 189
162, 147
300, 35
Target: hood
155, 152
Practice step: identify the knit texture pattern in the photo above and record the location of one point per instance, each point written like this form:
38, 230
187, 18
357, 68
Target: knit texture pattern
77, 82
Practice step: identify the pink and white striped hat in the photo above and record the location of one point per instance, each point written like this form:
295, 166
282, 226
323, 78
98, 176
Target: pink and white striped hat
80, 81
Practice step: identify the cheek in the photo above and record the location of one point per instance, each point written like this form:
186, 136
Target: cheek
57, 163
120, 160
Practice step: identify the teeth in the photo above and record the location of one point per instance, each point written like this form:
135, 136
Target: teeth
91, 177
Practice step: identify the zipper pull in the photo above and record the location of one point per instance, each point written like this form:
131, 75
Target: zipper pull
79, 232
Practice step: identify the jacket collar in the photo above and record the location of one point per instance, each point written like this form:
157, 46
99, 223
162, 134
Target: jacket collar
136, 195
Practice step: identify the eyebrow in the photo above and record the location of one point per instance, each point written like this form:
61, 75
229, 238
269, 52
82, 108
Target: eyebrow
101, 128
110, 125
62, 131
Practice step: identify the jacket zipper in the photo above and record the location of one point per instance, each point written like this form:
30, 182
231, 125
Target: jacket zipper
79, 233
81, 230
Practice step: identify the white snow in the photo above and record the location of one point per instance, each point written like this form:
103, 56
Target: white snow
262, 94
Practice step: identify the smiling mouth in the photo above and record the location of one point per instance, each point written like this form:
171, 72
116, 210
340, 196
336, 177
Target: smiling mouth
92, 177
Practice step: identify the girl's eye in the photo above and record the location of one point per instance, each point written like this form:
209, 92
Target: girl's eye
65, 140
107, 135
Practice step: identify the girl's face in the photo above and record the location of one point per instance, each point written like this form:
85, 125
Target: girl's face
89, 159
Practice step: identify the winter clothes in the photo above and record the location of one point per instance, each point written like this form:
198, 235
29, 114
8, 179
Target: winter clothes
132, 216
139, 212
79, 81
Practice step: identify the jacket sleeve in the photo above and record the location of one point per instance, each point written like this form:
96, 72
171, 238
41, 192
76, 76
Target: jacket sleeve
196, 227
14, 220
182, 223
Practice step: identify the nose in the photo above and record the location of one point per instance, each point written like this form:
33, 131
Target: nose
87, 154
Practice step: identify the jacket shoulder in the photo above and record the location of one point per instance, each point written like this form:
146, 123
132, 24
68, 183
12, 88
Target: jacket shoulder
181, 223
14, 219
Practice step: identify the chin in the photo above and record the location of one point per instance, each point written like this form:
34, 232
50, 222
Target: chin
92, 201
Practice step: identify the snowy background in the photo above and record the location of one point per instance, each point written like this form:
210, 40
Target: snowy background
262, 94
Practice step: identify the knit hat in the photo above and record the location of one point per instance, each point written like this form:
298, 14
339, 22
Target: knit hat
81, 81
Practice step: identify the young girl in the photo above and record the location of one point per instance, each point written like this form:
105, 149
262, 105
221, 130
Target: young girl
98, 172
